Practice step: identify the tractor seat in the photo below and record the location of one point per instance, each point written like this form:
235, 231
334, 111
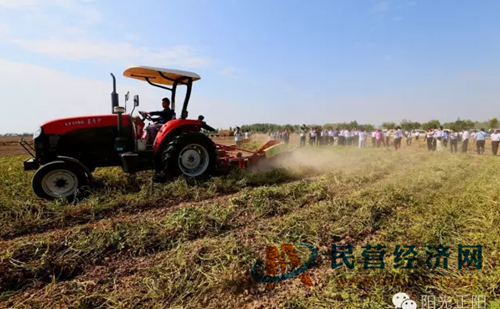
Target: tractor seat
138, 127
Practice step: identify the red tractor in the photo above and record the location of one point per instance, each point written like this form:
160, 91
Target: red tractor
66, 151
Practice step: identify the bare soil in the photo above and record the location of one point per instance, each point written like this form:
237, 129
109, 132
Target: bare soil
9, 146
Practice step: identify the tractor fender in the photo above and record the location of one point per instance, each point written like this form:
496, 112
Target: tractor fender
174, 126
77, 163
168, 132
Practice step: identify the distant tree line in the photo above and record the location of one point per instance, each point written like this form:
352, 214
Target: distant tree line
405, 124
17, 134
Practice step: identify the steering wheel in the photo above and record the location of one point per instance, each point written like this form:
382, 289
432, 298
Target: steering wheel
145, 116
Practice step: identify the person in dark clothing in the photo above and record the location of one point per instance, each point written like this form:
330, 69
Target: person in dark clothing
164, 116
303, 132
286, 136
318, 137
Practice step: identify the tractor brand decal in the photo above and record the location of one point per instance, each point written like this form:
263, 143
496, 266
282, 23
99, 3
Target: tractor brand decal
81, 122
62, 126
272, 255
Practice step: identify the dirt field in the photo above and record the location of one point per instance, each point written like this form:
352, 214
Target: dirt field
9, 146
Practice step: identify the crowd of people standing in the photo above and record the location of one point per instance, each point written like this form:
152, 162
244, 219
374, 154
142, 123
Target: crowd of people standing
437, 139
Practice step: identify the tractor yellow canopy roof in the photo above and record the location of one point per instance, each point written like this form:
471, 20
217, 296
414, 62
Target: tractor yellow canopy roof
157, 75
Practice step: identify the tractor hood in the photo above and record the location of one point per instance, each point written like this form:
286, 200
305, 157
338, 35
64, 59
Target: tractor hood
65, 125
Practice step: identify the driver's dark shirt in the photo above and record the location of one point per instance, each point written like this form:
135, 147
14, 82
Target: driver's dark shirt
165, 115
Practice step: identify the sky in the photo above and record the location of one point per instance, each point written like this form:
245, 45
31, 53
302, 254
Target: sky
278, 61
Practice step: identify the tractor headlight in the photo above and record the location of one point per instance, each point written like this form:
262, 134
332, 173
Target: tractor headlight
37, 133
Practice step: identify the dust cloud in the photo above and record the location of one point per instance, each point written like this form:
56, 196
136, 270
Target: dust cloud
314, 158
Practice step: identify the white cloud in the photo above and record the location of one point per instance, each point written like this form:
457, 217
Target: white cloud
81, 10
17, 3
381, 6
40, 3
102, 51
230, 72
75, 31
364, 44
77, 40
4, 30
233, 73
131, 37
398, 18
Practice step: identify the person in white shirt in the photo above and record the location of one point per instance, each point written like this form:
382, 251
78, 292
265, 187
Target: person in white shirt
397, 137
417, 134
336, 133
362, 136
237, 136
341, 140
465, 140
400, 135
330, 137
495, 139
480, 140
347, 136
387, 137
453, 141
247, 134
312, 137
355, 137
429, 138
438, 135
409, 138
374, 138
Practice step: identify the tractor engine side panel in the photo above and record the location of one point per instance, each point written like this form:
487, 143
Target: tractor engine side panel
89, 139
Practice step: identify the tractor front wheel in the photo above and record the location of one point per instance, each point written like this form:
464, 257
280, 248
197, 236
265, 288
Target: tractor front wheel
58, 180
191, 154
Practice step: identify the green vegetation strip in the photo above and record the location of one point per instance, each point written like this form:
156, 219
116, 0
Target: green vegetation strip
65, 254
22, 213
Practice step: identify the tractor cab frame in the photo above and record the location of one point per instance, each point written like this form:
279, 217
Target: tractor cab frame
159, 77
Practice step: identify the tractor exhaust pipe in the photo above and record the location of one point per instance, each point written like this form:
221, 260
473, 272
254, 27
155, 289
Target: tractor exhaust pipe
120, 140
114, 96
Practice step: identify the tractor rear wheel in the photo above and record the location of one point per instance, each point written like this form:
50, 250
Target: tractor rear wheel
191, 154
58, 179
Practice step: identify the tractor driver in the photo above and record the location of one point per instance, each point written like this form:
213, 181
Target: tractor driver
164, 116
